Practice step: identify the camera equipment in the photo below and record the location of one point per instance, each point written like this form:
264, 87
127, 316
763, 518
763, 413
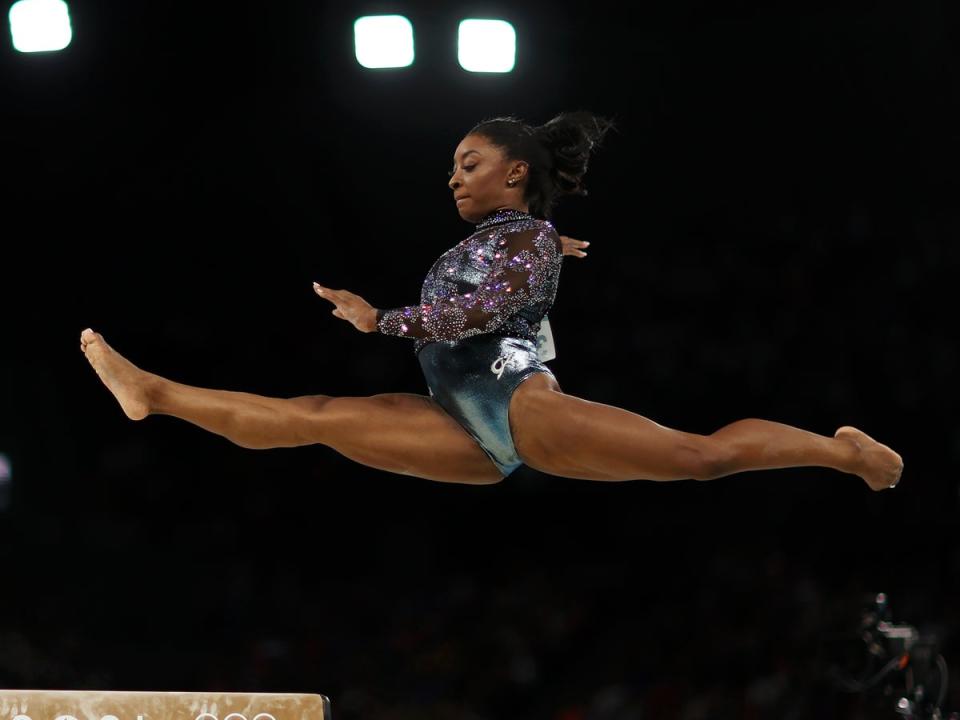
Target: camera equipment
901, 663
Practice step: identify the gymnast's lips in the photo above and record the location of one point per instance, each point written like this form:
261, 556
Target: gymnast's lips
462, 197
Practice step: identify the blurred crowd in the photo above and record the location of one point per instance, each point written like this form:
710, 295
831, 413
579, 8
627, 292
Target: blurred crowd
741, 633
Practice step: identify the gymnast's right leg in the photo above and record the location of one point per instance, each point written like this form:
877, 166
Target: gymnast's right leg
400, 433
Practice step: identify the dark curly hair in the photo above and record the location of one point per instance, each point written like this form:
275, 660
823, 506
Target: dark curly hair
557, 153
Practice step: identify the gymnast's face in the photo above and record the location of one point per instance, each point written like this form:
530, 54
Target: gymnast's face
484, 180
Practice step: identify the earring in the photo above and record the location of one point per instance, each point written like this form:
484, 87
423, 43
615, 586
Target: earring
511, 183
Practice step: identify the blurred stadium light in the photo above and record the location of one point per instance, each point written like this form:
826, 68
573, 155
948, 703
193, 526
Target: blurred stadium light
383, 41
6, 481
40, 25
486, 45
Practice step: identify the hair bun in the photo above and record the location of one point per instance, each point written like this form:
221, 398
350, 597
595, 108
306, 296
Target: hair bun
570, 138
557, 152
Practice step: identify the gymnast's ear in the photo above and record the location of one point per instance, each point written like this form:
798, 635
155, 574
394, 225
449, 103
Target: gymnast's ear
519, 169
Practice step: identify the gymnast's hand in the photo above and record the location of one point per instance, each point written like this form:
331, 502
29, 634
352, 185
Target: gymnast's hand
571, 245
352, 308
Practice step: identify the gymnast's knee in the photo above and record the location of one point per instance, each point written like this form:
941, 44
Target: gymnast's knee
711, 459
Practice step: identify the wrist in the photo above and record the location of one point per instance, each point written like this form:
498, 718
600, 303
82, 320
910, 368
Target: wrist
374, 323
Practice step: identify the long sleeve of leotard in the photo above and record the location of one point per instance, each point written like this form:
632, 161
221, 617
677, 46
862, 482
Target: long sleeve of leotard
518, 276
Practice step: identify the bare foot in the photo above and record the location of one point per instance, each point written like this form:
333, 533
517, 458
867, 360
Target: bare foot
879, 466
124, 379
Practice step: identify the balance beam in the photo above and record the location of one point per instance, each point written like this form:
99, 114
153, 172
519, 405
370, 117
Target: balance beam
115, 705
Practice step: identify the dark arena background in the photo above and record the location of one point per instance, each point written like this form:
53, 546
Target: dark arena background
773, 230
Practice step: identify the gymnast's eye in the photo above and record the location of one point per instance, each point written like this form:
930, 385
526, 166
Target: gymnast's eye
468, 168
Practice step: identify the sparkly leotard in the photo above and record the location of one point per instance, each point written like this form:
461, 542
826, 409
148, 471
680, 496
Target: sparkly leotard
476, 326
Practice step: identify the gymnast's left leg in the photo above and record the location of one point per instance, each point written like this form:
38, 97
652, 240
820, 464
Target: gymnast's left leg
571, 437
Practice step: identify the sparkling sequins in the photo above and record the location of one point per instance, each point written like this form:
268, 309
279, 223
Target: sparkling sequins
509, 269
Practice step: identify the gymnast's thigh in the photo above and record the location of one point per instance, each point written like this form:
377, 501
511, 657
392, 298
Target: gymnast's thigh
571, 437
404, 433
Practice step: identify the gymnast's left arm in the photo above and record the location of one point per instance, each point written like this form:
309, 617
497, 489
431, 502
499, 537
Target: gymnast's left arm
574, 247
519, 275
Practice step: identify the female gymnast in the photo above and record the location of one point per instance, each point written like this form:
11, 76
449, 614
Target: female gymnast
493, 404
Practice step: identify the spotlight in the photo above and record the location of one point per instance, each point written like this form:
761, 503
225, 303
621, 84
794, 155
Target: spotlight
40, 25
487, 45
383, 41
